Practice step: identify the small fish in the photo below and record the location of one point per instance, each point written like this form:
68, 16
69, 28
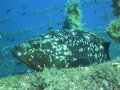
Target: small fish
50, 28
61, 49
23, 7
94, 28
18, 63
8, 10
95, 12
85, 2
33, 36
96, 2
58, 24
23, 13
107, 2
62, 17
12, 40
8, 38
61, 10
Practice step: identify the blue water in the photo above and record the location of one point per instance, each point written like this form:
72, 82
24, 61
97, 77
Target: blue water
94, 16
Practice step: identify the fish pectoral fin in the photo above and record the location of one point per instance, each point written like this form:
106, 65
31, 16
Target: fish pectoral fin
82, 61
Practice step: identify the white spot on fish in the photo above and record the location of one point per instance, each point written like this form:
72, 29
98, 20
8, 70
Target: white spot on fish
19, 54
32, 56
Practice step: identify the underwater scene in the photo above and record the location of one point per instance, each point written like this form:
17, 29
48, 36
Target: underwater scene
59, 45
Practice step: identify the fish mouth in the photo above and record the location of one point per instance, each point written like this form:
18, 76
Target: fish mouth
18, 53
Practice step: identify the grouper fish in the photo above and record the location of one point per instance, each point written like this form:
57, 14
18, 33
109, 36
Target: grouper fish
62, 48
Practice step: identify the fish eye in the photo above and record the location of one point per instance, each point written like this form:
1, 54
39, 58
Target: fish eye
36, 46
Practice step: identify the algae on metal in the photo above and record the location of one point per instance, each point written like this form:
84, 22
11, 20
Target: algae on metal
113, 28
74, 16
5, 20
116, 5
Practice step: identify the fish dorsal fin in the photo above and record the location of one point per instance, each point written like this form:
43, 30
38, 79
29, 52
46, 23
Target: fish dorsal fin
92, 34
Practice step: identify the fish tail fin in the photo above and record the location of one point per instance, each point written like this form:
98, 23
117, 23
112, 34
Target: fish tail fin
106, 46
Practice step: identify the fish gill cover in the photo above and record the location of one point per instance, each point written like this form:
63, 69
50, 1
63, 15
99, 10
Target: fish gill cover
92, 16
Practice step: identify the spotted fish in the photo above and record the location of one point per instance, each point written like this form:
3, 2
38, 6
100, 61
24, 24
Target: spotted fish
62, 48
